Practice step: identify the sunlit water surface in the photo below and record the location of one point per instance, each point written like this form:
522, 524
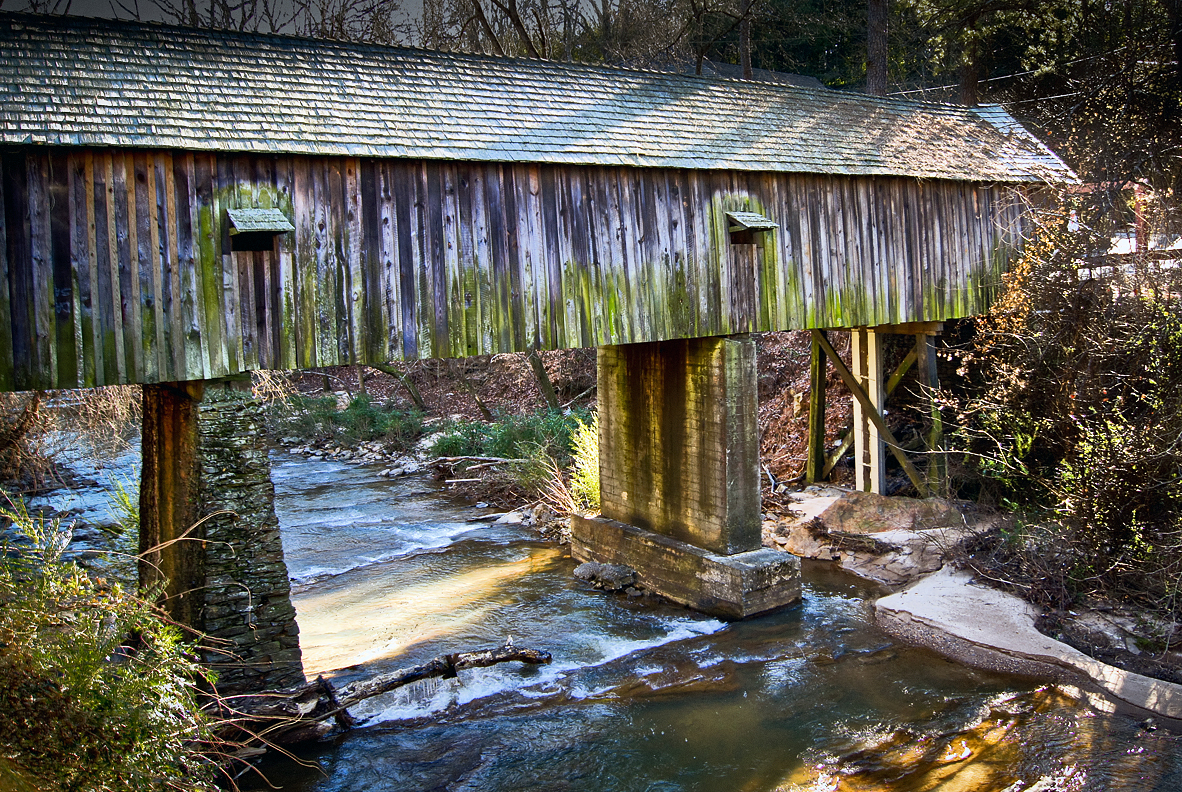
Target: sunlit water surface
642, 696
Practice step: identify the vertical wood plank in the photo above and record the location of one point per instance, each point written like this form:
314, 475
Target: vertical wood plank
483, 260
499, 249
449, 245
434, 281
420, 234
306, 264
173, 293
189, 299
513, 179
388, 257
66, 341
42, 282
81, 264
9, 234
403, 206
107, 253
547, 233
325, 305
373, 263
162, 266
98, 346
210, 266
142, 266
467, 260
608, 255
354, 287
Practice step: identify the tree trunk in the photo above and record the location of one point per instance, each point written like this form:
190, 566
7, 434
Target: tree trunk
876, 48
544, 384
745, 40
1174, 13
970, 72
405, 381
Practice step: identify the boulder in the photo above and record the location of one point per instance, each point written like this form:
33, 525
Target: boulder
609, 577
889, 540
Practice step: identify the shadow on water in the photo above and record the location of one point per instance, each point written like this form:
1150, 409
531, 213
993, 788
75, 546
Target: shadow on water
643, 696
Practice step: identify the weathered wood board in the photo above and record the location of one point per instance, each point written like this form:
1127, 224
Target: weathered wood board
117, 265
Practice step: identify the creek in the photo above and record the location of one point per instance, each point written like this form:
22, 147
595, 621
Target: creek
641, 696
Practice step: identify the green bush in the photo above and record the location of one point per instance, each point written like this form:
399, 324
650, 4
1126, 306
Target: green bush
97, 692
546, 432
315, 418
542, 441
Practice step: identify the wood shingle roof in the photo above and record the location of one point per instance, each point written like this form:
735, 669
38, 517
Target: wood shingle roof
89, 82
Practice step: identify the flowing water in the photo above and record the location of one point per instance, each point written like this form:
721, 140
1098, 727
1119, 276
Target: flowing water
643, 696
640, 696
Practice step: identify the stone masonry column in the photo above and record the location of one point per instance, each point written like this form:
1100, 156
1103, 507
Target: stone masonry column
208, 529
253, 636
679, 476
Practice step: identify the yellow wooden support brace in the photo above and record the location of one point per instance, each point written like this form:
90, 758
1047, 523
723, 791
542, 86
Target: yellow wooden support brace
847, 434
871, 413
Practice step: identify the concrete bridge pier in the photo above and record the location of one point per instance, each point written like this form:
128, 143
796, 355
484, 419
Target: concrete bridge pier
679, 477
209, 535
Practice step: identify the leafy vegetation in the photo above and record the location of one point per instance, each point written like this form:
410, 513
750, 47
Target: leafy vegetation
1073, 421
584, 471
97, 692
548, 432
540, 444
319, 418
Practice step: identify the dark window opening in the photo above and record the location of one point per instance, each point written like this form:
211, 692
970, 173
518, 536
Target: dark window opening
256, 229
748, 228
252, 240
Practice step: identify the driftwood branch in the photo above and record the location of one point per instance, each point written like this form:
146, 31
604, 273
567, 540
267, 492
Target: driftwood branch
302, 713
486, 460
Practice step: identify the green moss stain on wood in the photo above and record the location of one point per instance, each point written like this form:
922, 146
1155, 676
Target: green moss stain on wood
130, 277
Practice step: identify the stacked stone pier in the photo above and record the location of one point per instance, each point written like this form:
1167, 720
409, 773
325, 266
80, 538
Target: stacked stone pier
679, 477
209, 534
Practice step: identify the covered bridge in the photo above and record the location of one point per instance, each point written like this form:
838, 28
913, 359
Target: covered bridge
181, 206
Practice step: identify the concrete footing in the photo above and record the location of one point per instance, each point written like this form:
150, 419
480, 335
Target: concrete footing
731, 586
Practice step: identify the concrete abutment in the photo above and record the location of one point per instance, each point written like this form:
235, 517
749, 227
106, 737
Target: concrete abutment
679, 477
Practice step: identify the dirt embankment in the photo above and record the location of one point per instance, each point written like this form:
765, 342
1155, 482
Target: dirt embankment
507, 385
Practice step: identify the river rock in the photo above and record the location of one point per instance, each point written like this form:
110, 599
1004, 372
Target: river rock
609, 577
889, 540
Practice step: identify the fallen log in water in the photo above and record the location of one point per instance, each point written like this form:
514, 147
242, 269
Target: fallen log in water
303, 713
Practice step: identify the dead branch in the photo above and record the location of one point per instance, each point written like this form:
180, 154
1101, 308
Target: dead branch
301, 713
457, 459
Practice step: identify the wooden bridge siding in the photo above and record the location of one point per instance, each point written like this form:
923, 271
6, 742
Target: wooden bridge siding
117, 267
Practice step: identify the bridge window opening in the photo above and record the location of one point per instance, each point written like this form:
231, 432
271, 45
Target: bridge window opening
748, 228
256, 229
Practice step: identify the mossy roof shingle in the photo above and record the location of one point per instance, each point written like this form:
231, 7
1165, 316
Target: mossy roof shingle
77, 81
